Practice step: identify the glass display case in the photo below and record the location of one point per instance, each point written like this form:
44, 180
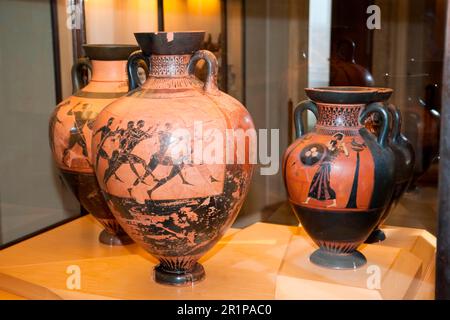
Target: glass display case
266, 53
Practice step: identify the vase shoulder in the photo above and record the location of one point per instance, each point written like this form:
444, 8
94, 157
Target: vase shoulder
169, 87
103, 90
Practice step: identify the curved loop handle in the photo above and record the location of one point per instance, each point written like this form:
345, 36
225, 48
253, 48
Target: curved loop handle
396, 122
137, 60
381, 110
78, 70
298, 113
346, 49
212, 65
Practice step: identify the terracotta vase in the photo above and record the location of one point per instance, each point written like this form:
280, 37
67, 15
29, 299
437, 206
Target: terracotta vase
344, 71
422, 128
71, 126
404, 168
339, 177
173, 205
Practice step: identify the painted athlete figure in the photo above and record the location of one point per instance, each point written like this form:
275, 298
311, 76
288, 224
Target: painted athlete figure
106, 132
129, 138
160, 158
83, 117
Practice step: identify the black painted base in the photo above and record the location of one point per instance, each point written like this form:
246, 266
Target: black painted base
332, 260
376, 236
185, 278
114, 240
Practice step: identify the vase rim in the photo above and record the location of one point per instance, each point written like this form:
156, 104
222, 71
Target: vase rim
349, 94
109, 52
170, 43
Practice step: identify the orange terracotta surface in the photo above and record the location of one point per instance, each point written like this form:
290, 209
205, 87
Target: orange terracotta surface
152, 165
76, 115
163, 114
176, 113
300, 175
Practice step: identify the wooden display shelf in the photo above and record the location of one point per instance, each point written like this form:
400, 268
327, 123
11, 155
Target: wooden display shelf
263, 261
402, 267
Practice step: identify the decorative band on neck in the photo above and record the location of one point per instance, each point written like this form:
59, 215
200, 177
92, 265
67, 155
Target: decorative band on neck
342, 115
169, 65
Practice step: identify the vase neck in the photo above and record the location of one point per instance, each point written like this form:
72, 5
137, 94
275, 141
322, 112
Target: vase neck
109, 71
169, 66
339, 116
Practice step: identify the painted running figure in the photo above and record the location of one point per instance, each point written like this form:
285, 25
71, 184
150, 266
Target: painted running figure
161, 158
106, 132
83, 117
129, 138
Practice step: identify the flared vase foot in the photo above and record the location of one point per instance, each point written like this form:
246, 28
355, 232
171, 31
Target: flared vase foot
114, 240
179, 278
336, 261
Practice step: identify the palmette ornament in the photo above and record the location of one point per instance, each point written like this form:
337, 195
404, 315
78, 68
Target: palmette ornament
339, 177
70, 129
171, 203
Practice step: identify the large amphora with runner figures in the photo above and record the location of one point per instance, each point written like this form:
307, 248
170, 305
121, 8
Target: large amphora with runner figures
71, 123
175, 165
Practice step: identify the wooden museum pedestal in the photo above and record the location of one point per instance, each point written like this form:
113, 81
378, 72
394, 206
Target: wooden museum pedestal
263, 261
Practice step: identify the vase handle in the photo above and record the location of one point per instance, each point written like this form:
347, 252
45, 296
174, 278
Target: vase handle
298, 113
379, 108
394, 112
213, 68
77, 73
137, 60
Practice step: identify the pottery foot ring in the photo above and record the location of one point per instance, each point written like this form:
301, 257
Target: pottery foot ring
330, 260
179, 278
114, 240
